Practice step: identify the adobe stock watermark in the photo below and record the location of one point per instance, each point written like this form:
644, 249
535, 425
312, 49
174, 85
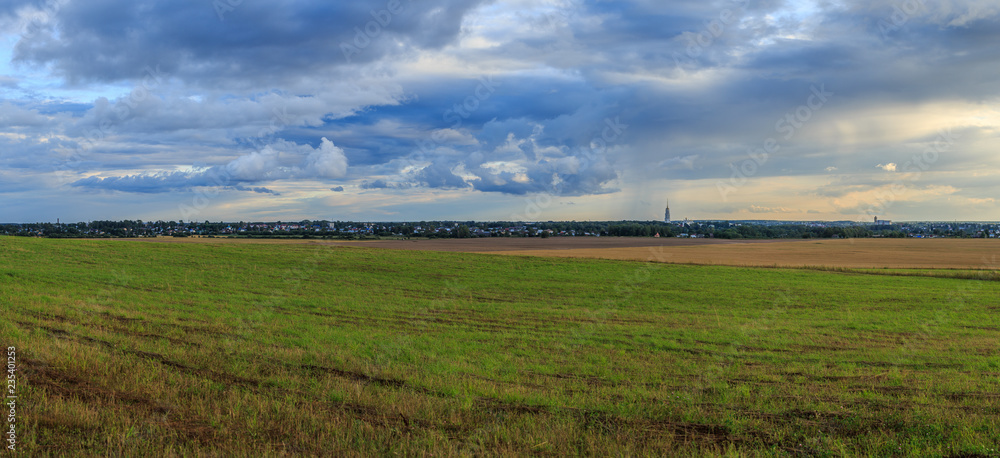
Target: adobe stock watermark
945, 314
911, 170
789, 125
122, 112
219, 178
32, 20
901, 14
625, 290
462, 111
10, 399
224, 7
222, 177
613, 130
564, 12
712, 31
456, 115
364, 36
750, 334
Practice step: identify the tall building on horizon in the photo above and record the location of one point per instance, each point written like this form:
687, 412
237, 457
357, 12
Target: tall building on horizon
666, 214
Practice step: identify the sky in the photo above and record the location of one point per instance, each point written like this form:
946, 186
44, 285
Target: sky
513, 110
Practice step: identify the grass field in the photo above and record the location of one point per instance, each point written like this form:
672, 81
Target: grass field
265, 349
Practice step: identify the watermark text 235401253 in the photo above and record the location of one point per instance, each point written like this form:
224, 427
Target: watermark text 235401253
11, 399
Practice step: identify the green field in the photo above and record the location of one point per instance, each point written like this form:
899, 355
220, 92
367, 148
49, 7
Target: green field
141, 348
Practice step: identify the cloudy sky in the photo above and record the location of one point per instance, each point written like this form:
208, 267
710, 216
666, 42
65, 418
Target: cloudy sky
392, 110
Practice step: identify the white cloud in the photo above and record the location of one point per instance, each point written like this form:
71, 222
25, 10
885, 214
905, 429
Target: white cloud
255, 166
760, 209
326, 162
680, 162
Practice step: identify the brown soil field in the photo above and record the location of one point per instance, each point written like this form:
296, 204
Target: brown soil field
504, 244
851, 253
483, 245
197, 239
978, 254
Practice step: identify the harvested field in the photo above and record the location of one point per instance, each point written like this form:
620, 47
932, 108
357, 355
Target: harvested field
497, 244
971, 254
964, 254
477, 245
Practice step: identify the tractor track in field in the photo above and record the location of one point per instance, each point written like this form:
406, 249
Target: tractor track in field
649, 430
38, 374
118, 329
365, 413
155, 357
405, 321
199, 430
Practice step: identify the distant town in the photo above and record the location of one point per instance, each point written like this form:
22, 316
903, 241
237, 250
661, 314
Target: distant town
347, 230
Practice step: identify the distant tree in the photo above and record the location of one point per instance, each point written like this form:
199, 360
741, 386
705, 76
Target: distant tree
462, 232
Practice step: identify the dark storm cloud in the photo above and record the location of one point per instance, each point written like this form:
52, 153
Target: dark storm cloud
440, 175
257, 42
382, 184
259, 190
